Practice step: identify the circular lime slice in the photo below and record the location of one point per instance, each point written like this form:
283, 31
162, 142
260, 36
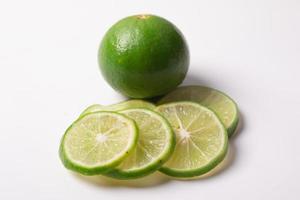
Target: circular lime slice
135, 103
97, 142
201, 139
155, 144
220, 103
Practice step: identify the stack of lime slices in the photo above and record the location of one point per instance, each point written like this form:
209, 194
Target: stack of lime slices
184, 135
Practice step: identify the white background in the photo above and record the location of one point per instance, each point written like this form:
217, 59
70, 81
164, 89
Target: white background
49, 74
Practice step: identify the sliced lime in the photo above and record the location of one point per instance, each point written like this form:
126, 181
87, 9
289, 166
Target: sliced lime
120, 106
201, 139
97, 142
223, 105
92, 108
156, 143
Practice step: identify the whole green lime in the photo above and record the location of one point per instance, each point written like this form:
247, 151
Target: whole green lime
143, 56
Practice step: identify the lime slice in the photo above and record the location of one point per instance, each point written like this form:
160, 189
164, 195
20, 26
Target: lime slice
155, 145
220, 103
201, 139
97, 142
120, 106
92, 108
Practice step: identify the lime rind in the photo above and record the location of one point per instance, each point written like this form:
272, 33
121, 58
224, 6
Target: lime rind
133, 103
231, 130
196, 172
218, 158
155, 164
91, 108
96, 170
177, 95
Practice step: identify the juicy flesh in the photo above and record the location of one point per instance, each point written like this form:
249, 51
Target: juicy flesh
152, 142
211, 98
197, 136
97, 139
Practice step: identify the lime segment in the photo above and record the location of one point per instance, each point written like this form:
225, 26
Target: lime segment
223, 105
201, 139
155, 145
97, 142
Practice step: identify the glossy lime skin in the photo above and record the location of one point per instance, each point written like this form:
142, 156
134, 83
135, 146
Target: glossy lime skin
143, 56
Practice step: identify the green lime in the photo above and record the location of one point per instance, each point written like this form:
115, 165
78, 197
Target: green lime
155, 145
201, 139
220, 103
97, 142
119, 106
143, 56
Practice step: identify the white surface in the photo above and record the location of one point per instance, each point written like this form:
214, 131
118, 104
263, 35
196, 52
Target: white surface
49, 74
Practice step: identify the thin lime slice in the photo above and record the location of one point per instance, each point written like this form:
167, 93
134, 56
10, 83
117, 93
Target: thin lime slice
201, 139
155, 145
119, 106
97, 142
92, 108
220, 103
